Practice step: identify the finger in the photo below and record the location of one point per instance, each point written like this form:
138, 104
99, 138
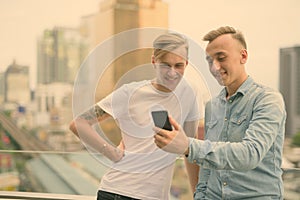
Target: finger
158, 140
174, 123
159, 145
122, 145
156, 129
160, 131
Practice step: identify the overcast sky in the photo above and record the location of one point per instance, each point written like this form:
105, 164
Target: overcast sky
268, 25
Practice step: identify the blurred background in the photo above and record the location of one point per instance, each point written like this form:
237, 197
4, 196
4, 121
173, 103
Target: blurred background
43, 44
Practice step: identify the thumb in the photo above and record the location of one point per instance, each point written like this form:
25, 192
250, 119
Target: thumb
174, 123
121, 145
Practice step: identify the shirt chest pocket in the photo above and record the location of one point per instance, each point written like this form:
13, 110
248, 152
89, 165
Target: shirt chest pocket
212, 132
237, 127
238, 120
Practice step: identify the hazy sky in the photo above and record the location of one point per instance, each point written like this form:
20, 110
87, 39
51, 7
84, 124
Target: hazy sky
267, 24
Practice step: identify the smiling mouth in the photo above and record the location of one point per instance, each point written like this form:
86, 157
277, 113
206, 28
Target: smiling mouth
173, 78
221, 74
170, 79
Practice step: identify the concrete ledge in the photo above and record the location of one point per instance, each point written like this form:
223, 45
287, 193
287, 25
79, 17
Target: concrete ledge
6, 195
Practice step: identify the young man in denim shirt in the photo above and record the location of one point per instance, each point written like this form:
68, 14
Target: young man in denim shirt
241, 155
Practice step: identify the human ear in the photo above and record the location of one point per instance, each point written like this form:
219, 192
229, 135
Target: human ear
153, 59
244, 56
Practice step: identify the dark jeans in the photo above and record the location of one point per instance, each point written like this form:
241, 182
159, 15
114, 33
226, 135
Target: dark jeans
102, 195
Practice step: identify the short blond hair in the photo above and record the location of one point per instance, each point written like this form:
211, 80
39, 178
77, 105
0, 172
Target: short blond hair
236, 34
169, 42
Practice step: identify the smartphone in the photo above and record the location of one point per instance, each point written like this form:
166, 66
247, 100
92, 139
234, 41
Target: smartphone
161, 119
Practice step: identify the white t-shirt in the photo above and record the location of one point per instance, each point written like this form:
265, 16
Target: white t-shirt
145, 172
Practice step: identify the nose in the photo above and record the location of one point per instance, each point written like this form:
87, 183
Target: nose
172, 71
215, 66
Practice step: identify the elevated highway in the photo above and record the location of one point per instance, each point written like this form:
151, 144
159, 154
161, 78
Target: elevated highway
24, 139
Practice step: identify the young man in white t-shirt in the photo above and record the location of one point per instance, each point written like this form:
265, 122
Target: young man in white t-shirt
140, 169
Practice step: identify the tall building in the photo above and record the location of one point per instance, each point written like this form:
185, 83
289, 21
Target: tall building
113, 18
116, 16
290, 86
16, 84
2, 84
60, 53
53, 104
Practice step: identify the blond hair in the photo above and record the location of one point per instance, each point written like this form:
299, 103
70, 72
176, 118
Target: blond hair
236, 34
169, 42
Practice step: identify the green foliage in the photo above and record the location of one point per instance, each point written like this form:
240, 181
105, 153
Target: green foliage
296, 140
7, 113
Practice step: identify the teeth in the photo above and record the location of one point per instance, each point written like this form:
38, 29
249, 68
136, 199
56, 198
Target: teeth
171, 79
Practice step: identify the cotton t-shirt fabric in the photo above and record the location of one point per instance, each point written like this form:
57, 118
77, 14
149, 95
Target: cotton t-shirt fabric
145, 172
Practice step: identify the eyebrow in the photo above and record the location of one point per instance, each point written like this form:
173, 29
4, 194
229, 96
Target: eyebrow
220, 53
216, 54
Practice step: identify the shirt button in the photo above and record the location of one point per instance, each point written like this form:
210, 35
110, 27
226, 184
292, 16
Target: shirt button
225, 119
194, 161
225, 183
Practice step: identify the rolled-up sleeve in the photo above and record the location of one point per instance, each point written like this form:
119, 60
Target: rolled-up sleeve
198, 149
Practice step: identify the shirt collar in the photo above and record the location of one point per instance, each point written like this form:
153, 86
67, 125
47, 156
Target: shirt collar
241, 90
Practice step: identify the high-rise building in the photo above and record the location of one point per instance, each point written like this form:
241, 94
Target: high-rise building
116, 16
113, 18
2, 83
16, 84
53, 102
290, 86
60, 53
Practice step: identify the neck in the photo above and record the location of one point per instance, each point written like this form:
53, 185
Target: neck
160, 87
231, 89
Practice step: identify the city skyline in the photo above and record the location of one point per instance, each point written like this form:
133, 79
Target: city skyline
267, 25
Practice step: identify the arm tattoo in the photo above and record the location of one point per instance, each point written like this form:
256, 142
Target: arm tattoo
99, 111
92, 114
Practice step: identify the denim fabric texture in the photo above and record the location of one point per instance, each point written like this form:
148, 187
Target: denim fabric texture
241, 155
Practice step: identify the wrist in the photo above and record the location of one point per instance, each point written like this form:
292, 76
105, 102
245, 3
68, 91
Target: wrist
186, 153
117, 154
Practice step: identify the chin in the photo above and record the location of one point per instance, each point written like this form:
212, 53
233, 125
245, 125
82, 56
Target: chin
221, 83
171, 85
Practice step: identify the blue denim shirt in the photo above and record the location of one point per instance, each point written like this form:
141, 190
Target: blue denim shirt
241, 155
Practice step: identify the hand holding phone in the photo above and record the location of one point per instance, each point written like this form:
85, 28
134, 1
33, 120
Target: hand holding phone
161, 119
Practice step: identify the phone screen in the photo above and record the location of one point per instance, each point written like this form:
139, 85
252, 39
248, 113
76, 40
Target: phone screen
161, 119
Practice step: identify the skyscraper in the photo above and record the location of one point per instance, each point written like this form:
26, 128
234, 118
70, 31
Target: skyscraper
289, 80
116, 16
2, 87
16, 84
60, 52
